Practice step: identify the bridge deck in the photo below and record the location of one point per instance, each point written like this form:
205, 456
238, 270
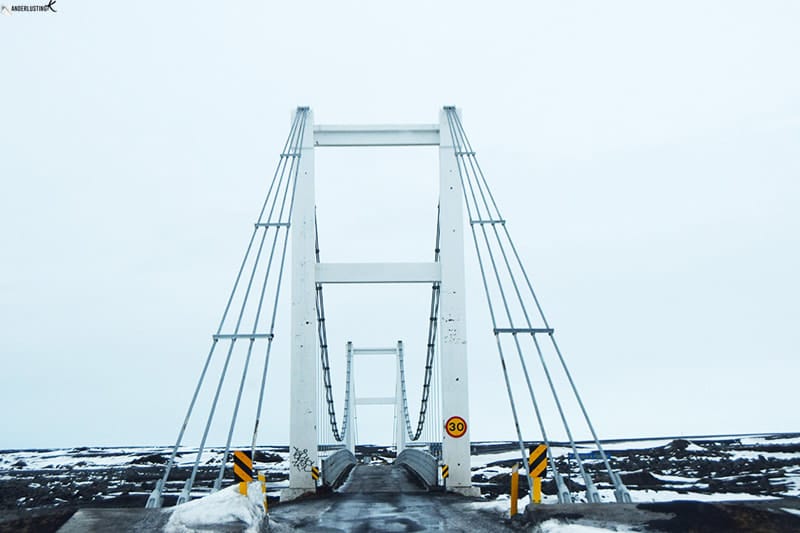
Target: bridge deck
380, 478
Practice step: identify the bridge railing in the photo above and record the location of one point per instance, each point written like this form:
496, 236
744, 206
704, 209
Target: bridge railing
422, 464
336, 466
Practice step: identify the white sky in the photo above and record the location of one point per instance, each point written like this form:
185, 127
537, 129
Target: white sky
645, 155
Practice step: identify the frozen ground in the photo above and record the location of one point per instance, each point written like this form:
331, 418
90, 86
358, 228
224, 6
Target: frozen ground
707, 468
750, 467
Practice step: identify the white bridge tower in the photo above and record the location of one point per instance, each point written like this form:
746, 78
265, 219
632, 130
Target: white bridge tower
448, 271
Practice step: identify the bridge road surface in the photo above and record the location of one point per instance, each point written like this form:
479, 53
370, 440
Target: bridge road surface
384, 498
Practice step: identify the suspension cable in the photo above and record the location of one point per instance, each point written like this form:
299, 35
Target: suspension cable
276, 178
479, 173
323, 348
494, 218
277, 232
292, 176
468, 154
429, 357
457, 149
295, 153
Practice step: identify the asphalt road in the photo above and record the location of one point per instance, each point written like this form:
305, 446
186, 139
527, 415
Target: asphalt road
385, 512
384, 498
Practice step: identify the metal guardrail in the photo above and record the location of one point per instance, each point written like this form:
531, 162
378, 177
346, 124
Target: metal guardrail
421, 464
336, 465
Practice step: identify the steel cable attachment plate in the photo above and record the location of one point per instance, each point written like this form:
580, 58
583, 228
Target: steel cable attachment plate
271, 224
514, 331
251, 336
497, 221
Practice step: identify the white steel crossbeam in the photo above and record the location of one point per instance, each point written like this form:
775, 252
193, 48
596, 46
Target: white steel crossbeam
384, 135
388, 400
378, 272
375, 351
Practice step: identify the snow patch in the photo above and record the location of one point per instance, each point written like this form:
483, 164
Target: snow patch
675, 479
770, 440
635, 445
750, 455
640, 496
557, 526
224, 509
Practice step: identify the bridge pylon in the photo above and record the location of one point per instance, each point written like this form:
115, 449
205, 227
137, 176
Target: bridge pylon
447, 272
353, 400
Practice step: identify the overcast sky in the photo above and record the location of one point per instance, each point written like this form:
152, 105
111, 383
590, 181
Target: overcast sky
645, 155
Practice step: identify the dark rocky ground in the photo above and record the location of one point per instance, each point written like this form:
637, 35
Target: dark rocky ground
770, 516
764, 466
41, 489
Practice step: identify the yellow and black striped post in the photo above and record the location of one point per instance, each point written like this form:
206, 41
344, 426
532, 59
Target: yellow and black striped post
537, 466
315, 473
242, 469
445, 474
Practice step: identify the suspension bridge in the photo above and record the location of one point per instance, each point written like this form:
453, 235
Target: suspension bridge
433, 448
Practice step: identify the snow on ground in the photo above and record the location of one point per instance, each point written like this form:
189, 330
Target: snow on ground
747, 454
692, 447
71, 458
768, 439
793, 477
481, 461
647, 495
499, 506
97, 458
676, 479
557, 451
557, 526
502, 504
637, 496
706, 469
222, 510
632, 445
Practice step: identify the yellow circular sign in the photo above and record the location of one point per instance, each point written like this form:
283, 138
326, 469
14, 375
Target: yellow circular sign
455, 426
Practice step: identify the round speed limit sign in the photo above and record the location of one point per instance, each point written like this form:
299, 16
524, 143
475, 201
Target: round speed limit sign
455, 426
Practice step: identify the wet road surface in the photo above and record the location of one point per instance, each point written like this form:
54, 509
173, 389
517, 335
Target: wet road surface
385, 512
380, 478
384, 498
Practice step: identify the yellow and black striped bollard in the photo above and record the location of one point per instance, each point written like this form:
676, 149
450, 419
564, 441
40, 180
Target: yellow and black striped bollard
537, 466
242, 469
